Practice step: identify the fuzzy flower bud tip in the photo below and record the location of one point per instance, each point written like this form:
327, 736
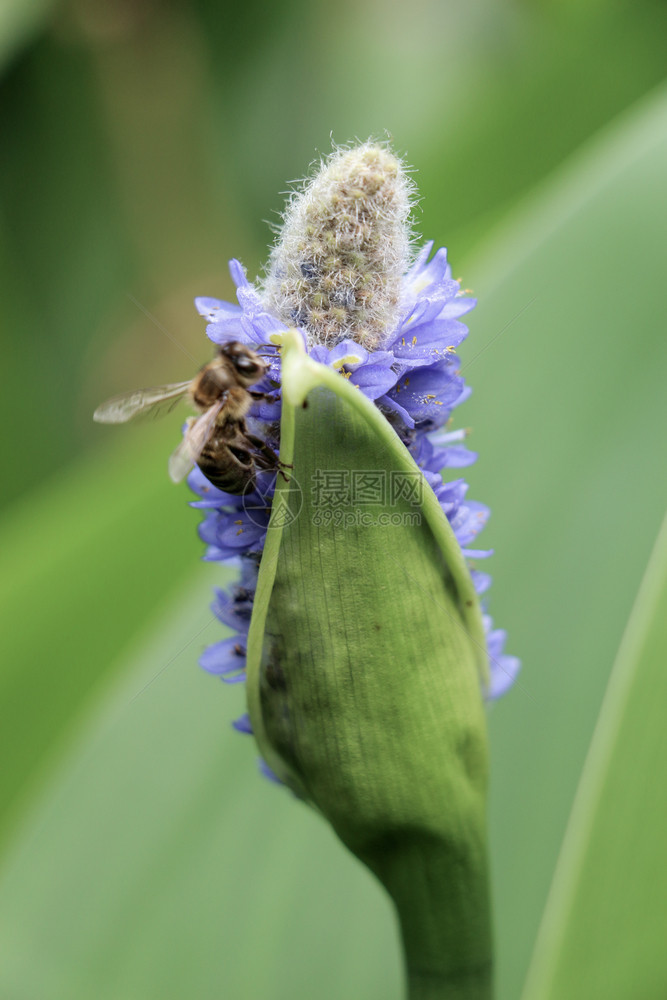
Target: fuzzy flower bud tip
336, 270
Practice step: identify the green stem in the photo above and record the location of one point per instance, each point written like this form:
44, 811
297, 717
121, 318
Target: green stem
442, 900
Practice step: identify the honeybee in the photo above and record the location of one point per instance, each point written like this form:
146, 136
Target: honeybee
217, 440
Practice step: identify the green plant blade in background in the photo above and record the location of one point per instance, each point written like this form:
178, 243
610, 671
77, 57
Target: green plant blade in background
84, 566
568, 361
19, 20
158, 863
603, 931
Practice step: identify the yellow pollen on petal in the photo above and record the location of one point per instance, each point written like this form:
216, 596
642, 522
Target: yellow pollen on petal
414, 341
348, 359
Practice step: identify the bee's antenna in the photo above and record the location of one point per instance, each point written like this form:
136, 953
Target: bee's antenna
273, 347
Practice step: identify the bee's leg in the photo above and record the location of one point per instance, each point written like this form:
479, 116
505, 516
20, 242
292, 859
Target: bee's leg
280, 472
264, 455
262, 396
266, 458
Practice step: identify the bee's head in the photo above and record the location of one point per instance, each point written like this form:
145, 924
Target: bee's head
248, 366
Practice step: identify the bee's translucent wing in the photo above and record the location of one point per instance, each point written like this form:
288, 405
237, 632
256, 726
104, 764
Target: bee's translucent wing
159, 399
192, 445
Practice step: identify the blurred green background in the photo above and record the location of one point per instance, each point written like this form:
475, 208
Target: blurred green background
143, 145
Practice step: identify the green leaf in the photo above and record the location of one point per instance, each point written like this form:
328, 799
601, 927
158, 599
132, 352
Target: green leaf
568, 366
19, 21
366, 661
603, 931
86, 560
325, 441
157, 863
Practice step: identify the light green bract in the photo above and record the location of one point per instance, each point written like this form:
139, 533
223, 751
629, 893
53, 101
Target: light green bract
365, 671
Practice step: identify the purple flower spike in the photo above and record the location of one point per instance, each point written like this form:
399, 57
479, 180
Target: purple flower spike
395, 339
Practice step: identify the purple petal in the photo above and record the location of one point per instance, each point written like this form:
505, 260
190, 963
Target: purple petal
387, 402
458, 306
234, 608
229, 328
242, 724
457, 458
237, 272
234, 679
481, 581
503, 671
224, 657
429, 393
469, 521
241, 534
267, 772
348, 348
419, 263
214, 309
373, 380
429, 342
